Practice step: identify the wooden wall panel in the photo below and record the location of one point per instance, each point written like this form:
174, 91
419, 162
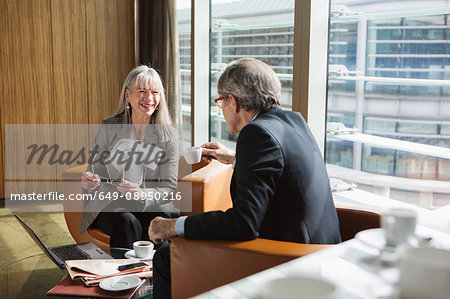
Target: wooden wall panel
69, 61
110, 53
126, 57
3, 28
62, 62
25, 66
70, 84
26, 62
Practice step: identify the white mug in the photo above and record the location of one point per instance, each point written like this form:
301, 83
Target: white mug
424, 273
143, 249
399, 225
192, 155
298, 287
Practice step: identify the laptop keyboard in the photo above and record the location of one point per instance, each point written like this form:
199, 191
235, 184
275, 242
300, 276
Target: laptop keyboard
70, 253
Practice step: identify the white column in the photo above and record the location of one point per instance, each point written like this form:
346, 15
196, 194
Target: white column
200, 71
310, 64
359, 88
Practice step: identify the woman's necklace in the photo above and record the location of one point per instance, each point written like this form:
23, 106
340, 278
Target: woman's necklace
139, 131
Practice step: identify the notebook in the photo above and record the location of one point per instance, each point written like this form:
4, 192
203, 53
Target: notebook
69, 287
60, 254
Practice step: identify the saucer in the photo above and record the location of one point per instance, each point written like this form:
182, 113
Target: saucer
120, 283
376, 238
373, 238
131, 255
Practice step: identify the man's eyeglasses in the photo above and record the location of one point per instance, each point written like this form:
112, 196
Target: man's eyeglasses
219, 101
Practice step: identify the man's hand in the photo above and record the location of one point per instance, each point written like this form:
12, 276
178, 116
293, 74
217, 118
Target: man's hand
217, 151
161, 229
90, 181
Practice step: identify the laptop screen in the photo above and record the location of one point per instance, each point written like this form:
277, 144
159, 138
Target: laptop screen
39, 242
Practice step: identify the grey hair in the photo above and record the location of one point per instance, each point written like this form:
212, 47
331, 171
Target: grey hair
254, 84
141, 77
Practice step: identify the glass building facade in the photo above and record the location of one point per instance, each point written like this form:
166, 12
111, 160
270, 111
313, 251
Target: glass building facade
389, 71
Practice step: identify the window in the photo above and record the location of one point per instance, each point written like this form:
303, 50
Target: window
388, 77
184, 45
388, 97
251, 28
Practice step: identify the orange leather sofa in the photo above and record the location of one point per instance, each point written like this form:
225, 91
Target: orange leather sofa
206, 183
198, 266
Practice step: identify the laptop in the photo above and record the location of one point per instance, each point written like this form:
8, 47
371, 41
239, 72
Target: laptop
59, 254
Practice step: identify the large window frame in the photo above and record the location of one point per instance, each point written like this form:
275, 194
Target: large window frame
310, 83
310, 52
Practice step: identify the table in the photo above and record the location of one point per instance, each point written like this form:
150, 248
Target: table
33, 276
355, 268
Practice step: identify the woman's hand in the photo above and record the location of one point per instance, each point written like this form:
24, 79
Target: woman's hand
217, 151
129, 187
90, 181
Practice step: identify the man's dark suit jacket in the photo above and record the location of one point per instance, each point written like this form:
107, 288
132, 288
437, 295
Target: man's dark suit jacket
280, 188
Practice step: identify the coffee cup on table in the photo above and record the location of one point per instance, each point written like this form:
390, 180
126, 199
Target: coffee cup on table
143, 249
399, 225
192, 155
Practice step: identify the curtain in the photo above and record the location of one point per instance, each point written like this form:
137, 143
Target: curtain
158, 47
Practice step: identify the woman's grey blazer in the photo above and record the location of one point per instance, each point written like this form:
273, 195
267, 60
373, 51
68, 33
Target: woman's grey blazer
159, 180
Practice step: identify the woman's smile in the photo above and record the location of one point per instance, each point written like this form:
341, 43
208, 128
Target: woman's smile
143, 100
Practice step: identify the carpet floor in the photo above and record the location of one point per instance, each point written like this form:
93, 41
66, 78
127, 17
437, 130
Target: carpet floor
15, 243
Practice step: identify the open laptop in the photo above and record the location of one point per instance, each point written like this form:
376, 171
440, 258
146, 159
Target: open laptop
59, 254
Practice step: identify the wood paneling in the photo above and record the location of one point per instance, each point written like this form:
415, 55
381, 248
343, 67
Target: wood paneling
70, 85
110, 53
62, 62
3, 23
26, 62
69, 61
25, 66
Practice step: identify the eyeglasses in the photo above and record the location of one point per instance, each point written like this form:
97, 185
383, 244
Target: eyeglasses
104, 180
219, 101
115, 182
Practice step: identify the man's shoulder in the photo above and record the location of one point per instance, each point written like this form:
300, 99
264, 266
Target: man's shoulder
277, 119
277, 114
264, 128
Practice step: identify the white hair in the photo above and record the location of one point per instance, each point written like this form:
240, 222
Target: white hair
254, 84
144, 77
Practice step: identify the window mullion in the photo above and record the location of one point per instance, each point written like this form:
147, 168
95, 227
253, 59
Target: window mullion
200, 71
310, 64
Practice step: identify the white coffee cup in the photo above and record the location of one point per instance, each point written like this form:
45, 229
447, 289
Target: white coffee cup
192, 155
298, 287
399, 225
142, 249
424, 273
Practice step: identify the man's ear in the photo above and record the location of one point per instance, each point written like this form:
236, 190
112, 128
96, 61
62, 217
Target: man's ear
234, 103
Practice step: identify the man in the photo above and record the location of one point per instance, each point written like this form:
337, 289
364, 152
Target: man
280, 188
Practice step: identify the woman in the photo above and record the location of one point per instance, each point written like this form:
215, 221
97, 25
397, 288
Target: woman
134, 166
